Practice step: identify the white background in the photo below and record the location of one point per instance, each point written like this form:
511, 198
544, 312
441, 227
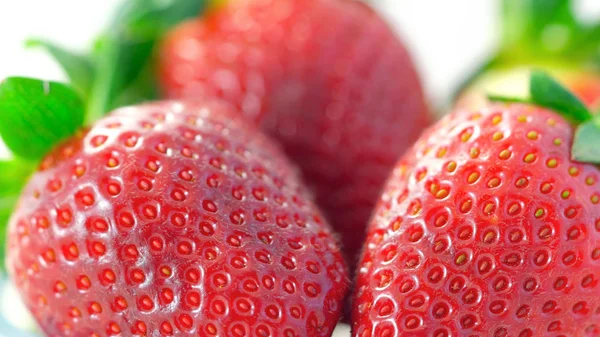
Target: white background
448, 39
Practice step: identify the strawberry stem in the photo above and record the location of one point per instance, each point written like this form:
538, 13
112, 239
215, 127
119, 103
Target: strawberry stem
15, 173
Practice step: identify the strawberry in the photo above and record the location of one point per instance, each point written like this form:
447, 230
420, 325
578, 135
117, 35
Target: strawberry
328, 79
489, 226
165, 219
539, 34
115, 72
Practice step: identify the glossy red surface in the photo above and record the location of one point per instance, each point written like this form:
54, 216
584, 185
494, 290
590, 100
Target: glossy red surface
486, 228
173, 219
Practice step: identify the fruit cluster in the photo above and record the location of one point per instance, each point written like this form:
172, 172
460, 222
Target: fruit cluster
291, 162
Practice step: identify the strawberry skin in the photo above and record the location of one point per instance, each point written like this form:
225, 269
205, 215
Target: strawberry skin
172, 219
327, 78
486, 228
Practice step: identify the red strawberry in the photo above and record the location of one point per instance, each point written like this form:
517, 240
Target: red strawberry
172, 219
488, 227
327, 78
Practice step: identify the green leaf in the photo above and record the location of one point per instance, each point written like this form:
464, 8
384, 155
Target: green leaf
585, 144
119, 62
144, 88
505, 99
538, 27
14, 176
78, 68
124, 54
5, 214
36, 115
149, 18
119, 69
547, 92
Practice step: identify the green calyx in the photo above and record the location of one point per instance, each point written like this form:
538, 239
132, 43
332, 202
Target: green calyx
36, 115
119, 69
15, 173
542, 34
546, 92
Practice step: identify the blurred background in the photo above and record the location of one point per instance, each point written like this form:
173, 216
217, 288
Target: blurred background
448, 40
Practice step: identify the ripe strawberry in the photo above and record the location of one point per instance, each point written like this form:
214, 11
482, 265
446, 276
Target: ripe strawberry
173, 219
538, 34
327, 78
488, 227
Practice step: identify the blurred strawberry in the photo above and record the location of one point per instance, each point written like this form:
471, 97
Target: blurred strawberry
490, 226
163, 219
329, 79
539, 34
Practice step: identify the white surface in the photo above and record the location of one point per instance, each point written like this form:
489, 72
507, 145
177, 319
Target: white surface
12, 309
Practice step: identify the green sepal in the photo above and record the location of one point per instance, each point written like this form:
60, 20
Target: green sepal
119, 62
36, 115
547, 92
119, 69
14, 175
505, 99
586, 143
78, 68
126, 52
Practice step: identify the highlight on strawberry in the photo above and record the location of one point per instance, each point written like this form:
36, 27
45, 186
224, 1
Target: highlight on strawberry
539, 34
490, 225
